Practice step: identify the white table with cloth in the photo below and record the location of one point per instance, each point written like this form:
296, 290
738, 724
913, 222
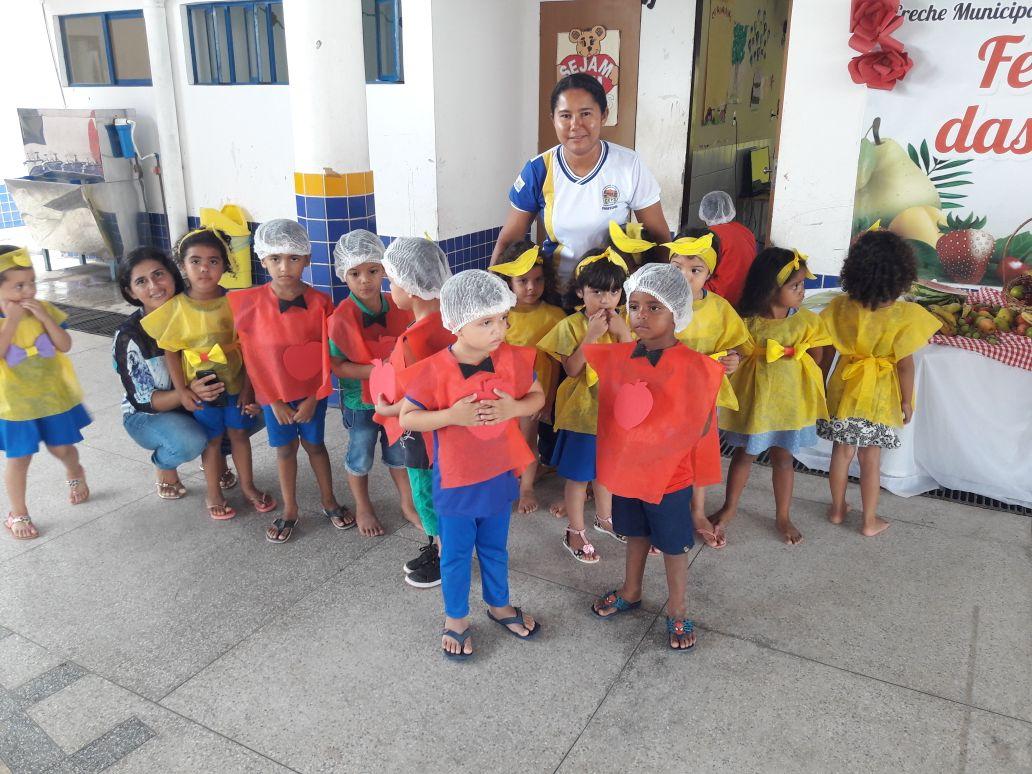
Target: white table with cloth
971, 431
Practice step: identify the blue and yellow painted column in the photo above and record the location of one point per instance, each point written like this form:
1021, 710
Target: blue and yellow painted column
333, 183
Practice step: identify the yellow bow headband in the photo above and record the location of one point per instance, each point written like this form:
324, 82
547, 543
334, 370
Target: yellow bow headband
526, 261
606, 255
798, 261
15, 259
202, 230
626, 243
701, 247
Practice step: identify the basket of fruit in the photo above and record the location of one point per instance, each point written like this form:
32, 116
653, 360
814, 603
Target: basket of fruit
1017, 292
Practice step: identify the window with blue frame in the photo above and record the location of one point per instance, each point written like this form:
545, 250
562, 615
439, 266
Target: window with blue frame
381, 31
237, 43
105, 49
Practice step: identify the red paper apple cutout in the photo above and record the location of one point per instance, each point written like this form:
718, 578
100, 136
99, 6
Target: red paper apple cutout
633, 404
382, 347
383, 381
304, 361
486, 391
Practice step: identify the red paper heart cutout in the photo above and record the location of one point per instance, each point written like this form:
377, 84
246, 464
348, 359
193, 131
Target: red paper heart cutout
382, 347
383, 381
633, 404
304, 361
486, 391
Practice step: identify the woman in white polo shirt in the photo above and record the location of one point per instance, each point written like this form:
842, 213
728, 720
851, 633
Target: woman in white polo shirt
582, 183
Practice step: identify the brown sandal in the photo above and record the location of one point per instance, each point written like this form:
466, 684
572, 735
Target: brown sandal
75, 484
171, 491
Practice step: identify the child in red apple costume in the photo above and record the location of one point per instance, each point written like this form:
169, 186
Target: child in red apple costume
363, 330
470, 396
417, 269
282, 330
596, 289
655, 403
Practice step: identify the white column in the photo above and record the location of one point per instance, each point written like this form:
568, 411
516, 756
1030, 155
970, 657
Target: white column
327, 85
166, 116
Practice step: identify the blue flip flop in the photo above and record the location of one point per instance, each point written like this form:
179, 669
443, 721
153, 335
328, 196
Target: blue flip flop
516, 619
461, 639
612, 599
687, 626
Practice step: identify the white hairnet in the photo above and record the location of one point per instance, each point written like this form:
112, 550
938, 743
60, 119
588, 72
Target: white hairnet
417, 265
355, 248
281, 237
716, 207
472, 294
667, 285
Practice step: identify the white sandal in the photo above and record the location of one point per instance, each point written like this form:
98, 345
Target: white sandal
587, 553
600, 526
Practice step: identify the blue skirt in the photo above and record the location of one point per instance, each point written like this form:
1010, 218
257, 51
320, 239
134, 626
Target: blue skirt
21, 438
574, 455
791, 440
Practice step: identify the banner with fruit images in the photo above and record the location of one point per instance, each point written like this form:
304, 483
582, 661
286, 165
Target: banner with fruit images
946, 158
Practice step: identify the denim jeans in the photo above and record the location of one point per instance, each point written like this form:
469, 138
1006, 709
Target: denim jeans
363, 434
174, 436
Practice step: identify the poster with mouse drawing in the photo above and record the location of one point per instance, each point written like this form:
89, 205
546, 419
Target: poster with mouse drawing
946, 154
594, 51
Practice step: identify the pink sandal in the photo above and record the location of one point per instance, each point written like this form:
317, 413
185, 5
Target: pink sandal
221, 511
587, 553
263, 503
13, 521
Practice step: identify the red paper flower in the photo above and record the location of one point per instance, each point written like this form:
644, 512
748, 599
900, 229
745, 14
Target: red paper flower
880, 69
873, 22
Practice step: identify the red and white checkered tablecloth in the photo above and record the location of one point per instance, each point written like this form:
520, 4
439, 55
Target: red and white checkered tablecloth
1013, 350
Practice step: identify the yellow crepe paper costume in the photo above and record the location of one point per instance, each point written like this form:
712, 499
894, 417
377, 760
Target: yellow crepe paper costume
203, 332
716, 328
38, 386
576, 402
527, 328
779, 385
870, 342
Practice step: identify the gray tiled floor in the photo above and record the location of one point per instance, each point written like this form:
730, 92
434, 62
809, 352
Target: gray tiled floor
140, 636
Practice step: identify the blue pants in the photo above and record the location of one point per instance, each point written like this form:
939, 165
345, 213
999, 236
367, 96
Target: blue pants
489, 535
173, 436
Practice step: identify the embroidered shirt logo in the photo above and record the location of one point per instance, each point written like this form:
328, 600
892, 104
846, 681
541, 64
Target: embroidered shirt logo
610, 196
518, 185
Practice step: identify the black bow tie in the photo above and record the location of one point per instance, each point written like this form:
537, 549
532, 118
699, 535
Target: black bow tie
652, 355
298, 302
380, 318
484, 365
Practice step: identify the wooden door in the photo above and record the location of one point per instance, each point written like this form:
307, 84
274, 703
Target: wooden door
600, 37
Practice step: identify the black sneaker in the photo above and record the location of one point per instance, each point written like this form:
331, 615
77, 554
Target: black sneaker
427, 576
426, 554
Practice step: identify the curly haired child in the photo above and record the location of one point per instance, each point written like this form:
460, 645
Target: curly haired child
871, 390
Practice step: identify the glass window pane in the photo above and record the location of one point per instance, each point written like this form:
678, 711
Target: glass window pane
86, 52
240, 34
279, 42
221, 46
263, 59
201, 50
372, 74
129, 48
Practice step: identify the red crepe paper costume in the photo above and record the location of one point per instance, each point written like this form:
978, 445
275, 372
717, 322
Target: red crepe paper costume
419, 341
286, 353
737, 252
363, 343
471, 455
651, 417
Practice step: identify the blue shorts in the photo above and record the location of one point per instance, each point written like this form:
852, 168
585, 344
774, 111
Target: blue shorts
574, 456
667, 524
21, 438
363, 433
313, 431
217, 419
